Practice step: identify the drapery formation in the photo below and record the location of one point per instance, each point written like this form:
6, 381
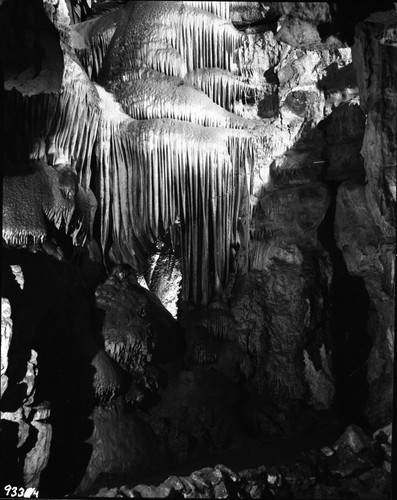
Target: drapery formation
183, 158
156, 137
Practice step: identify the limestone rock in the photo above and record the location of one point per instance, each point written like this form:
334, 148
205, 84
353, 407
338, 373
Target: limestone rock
320, 381
121, 444
299, 33
6, 337
165, 281
366, 242
37, 458
34, 433
354, 438
137, 330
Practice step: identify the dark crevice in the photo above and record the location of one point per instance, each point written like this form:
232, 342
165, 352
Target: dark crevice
350, 309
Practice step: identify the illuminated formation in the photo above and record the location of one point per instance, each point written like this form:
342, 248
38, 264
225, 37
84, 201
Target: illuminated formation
182, 157
156, 139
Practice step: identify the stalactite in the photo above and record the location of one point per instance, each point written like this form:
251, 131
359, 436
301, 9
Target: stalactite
179, 157
162, 169
169, 37
91, 40
58, 126
107, 378
31, 198
222, 325
29, 118
95, 41
221, 86
203, 355
74, 133
221, 9
168, 97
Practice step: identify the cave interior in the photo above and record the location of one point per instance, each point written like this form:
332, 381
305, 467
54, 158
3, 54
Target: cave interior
198, 251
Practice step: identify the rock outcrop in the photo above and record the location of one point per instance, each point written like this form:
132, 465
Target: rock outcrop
25, 423
365, 212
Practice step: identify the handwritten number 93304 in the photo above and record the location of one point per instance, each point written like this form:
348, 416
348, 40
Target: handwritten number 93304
14, 491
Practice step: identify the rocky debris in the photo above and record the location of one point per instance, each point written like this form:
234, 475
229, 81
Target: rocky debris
314, 474
383, 438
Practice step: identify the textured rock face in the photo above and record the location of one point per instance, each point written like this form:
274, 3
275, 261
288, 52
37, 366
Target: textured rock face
121, 444
30, 53
137, 332
280, 307
165, 280
21, 418
365, 219
6, 336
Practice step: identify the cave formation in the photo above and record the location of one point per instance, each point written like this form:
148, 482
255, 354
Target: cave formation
198, 248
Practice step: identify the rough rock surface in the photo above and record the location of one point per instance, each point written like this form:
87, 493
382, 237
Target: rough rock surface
350, 468
136, 331
365, 217
120, 444
6, 336
22, 419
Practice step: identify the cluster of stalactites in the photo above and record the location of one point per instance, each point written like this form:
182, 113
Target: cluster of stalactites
170, 159
74, 134
206, 41
170, 97
57, 126
29, 200
91, 41
221, 9
172, 38
221, 86
156, 174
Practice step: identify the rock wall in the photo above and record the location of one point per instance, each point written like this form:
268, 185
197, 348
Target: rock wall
365, 213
